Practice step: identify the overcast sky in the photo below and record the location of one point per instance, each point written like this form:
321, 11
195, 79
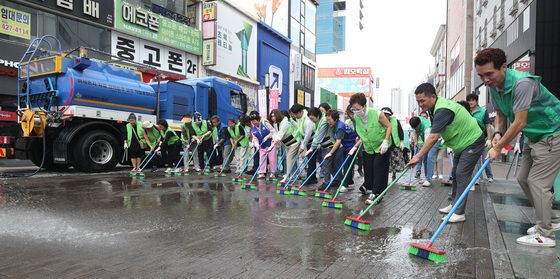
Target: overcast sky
400, 34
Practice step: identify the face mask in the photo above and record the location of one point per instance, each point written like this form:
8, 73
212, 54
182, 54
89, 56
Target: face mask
360, 113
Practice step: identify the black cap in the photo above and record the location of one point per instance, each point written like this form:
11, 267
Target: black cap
254, 115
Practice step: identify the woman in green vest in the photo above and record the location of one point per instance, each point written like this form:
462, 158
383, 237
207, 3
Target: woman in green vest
239, 139
397, 142
455, 125
531, 108
287, 135
134, 142
374, 130
170, 145
152, 138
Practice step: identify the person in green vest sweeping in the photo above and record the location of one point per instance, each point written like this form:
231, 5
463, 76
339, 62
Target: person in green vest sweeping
305, 128
239, 140
170, 145
203, 135
187, 133
483, 119
152, 136
134, 142
527, 104
287, 135
461, 133
222, 144
374, 130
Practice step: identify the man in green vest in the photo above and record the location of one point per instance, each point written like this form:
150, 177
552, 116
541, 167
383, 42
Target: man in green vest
203, 135
483, 120
458, 128
527, 104
374, 130
187, 133
239, 140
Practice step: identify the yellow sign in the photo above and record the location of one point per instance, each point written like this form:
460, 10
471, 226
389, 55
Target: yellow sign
15, 23
209, 11
301, 97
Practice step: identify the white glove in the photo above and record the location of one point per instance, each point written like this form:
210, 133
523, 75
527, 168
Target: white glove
517, 148
258, 146
157, 149
449, 150
269, 148
216, 146
125, 145
488, 143
353, 150
384, 147
251, 145
309, 152
401, 146
328, 156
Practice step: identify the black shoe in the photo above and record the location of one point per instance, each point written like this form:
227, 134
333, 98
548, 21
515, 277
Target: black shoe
250, 172
417, 176
363, 190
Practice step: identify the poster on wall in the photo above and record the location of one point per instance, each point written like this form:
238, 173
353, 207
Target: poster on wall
236, 44
154, 55
274, 13
15, 23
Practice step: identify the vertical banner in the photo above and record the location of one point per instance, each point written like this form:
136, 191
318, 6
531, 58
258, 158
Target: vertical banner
273, 95
261, 97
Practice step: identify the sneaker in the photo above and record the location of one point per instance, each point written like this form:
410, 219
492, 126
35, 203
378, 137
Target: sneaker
343, 189
261, 176
456, 218
434, 176
370, 199
473, 188
426, 183
446, 209
477, 182
272, 176
417, 176
363, 190
533, 229
536, 240
490, 180
440, 176
168, 170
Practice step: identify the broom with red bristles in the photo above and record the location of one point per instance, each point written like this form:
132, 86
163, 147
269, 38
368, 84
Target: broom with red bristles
333, 203
427, 251
359, 222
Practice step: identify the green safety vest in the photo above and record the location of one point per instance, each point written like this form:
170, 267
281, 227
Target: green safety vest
395, 132
153, 136
139, 132
173, 139
301, 123
200, 130
543, 119
187, 132
479, 116
373, 135
424, 124
235, 135
291, 131
463, 130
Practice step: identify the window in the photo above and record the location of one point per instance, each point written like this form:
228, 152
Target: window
302, 39
526, 19
512, 32
294, 31
339, 6
236, 99
295, 8
310, 12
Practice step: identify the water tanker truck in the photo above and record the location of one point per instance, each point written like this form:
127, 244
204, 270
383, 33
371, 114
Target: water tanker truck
72, 109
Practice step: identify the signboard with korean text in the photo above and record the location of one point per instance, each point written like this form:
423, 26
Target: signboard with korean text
236, 44
209, 53
261, 101
209, 11
155, 55
346, 81
15, 23
98, 11
140, 22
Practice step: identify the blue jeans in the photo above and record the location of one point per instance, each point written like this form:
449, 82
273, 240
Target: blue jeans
488, 169
432, 156
424, 161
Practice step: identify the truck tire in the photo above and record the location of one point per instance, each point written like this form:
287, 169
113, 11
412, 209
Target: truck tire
36, 155
96, 151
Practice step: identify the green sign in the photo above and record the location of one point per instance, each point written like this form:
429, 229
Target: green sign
137, 21
15, 23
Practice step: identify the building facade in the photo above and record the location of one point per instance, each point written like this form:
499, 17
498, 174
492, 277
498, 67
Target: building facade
438, 51
459, 49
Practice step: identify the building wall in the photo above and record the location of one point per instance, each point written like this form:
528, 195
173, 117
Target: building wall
459, 61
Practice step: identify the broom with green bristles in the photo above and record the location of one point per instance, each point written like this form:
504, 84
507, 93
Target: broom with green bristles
290, 183
408, 185
221, 173
333, 203
437, 255
325, 193
206, 170
250, 184
298, 190
248, 160
358, 222
185, 171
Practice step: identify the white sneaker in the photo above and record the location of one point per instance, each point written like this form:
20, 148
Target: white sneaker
434, 176
440, 176
455, 218
446, 209
533, 229
168, 170
370, 199
477, 182
490, 180
473, 188
343, 189
261, 176
426, 183
536, 240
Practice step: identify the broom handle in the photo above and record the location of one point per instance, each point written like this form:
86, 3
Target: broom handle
208, 160
246, 163
384, 191
192, 156
288, 174
337, 172
348, 170
144, 160
181, 159
150, 159
227, 159
301, 167
259, 167
281, 159
459, 201
313, 173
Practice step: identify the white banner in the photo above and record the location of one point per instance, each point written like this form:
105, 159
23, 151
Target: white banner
155, 55
262, 108
273, 13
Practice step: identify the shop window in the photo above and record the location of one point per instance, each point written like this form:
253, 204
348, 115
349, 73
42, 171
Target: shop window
236, 99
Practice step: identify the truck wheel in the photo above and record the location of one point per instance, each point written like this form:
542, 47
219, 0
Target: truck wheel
96, 151
36, 155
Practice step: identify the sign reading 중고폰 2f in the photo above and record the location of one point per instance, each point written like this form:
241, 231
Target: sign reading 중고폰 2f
140, 22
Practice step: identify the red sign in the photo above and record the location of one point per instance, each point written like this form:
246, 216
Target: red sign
273, 94
8, 116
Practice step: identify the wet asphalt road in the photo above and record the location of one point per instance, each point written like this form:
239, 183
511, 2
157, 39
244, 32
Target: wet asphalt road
112, 225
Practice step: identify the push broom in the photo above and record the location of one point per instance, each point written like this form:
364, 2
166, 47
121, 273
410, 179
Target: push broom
359, 222
206, 171
298, 190
427, 251
289, 174
150, 157
221, 173
185, 171
177, 165
278, 169
325, 193
248, 160
140, 168
333, 203
284, 190
250, 184
408, 185
290, 184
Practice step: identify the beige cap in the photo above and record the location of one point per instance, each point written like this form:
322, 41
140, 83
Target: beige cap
147, 124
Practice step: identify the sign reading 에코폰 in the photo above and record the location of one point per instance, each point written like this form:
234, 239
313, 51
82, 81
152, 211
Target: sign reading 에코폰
137, 21
15, 23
